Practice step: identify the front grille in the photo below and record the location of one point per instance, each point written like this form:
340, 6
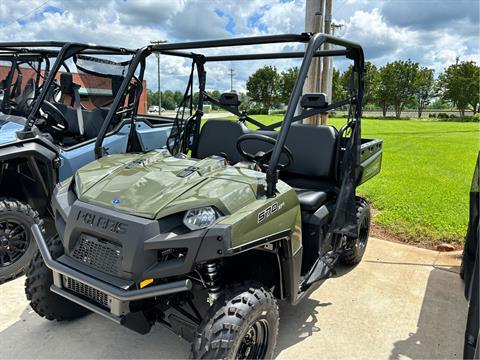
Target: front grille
100, 254
86, 291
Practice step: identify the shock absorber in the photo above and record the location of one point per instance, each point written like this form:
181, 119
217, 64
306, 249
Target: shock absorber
213, 281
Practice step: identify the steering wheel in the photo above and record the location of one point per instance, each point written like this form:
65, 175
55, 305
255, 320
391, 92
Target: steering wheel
56, 121
262, 158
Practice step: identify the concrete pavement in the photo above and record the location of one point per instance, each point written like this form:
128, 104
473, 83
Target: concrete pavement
400, 302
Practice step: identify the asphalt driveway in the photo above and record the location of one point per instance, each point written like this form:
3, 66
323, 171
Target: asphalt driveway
400, 302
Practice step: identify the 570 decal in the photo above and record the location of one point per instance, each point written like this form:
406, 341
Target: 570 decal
262, 215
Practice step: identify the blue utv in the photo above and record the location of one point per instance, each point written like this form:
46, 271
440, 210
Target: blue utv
50, 116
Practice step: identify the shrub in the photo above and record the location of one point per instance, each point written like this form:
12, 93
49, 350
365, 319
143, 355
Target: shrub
465, 118
257, 111
442, 116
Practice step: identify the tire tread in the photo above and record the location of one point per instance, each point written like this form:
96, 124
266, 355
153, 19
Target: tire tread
37, 288
224, 320
8, 204
350, 257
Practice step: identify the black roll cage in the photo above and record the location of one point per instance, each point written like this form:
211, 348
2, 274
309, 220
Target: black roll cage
313, 44
62, 51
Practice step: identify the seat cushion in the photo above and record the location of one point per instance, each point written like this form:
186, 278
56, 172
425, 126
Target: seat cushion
309, 182
311, 192
311, 200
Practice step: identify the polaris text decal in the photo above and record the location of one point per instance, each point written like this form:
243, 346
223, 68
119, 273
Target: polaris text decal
101, 222
262, 215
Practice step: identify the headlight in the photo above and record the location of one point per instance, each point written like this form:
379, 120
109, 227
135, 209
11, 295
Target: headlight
200, 218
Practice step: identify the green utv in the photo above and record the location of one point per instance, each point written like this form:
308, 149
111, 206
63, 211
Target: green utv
207, 244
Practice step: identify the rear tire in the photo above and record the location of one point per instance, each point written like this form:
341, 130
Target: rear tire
37, 288
241, 324
356, 249
17, 245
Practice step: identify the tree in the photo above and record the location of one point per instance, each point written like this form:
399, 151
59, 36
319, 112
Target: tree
287, 81
152, 98
397, 85
382, 95
244, 102
263, 85
178, 97
338, 91
424, 88
438, 103
371, 81
216, 95
460, 84
168, 101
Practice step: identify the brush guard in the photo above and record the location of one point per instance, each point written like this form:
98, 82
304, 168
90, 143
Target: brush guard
100, 297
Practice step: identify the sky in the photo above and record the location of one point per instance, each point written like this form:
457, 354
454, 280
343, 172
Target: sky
431, 32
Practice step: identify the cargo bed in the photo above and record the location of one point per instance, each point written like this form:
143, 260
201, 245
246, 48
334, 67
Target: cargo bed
370, 159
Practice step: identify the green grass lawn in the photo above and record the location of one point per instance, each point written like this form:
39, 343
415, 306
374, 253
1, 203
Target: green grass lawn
422, 192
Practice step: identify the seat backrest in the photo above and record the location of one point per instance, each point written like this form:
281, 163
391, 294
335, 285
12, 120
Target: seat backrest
25, 98
220, 136
70, 115
313, 147
92, 120
66, 83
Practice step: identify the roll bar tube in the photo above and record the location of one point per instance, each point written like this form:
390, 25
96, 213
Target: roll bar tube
66, 51
315, 42
137, 59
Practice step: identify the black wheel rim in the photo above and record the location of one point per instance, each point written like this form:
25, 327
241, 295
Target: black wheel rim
254, 344
363, 233
14, 241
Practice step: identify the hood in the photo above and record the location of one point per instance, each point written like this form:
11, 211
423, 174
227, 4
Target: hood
156, 184
9, 125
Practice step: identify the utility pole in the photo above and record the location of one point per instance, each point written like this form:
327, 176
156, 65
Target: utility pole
327, 61
231, 79
158, 75
314, 23
329, 88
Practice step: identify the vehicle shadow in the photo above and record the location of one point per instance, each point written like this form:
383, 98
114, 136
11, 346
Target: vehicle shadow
342, 270
439, 330
96, 337
297, 323
92, 337
441, 322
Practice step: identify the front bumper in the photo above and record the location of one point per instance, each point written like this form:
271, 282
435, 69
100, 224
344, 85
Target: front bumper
117, 300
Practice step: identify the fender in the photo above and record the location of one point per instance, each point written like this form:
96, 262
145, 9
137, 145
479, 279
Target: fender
45, 177
26, 149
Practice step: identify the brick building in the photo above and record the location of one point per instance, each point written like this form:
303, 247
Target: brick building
94, 89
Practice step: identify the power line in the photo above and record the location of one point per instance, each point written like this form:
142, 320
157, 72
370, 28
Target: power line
27, 14
158, 42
